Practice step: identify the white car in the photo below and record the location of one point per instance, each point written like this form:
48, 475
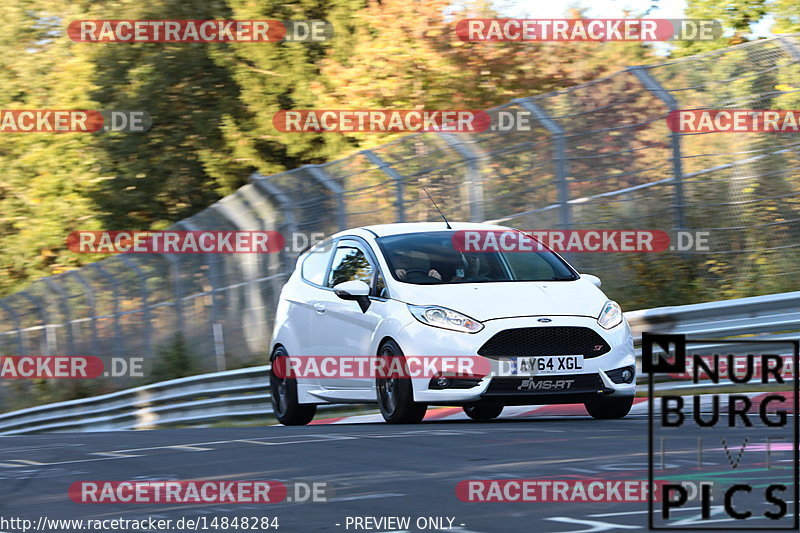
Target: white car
404, 290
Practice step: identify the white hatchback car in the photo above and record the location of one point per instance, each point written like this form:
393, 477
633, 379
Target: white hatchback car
398, 290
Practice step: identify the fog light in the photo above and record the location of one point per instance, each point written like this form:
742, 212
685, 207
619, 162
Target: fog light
440, 382
627, 375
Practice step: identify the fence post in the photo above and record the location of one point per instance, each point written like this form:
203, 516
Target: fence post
64, 305
145, 295
398, 181
90, 300
329, 183
242, 218
15, 317
212, 260
265, 212
177, 291
287, 207
652, 85
270, 265
472, 179
288, 225
50, 343
560, 166
118, 347
790, 46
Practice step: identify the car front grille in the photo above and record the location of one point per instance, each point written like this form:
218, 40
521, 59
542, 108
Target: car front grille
551, 340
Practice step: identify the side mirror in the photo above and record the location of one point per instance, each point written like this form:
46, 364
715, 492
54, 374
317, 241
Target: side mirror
594, 280
354, 290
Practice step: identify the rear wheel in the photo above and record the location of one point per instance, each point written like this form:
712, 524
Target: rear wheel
608, 408
395, 394
479, 411
284, 396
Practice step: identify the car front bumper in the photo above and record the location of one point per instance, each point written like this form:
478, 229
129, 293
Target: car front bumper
573, 387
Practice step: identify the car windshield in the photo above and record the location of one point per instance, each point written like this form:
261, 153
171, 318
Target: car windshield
433, 259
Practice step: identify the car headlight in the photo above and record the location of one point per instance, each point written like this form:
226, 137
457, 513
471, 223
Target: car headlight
610, 316
441, 317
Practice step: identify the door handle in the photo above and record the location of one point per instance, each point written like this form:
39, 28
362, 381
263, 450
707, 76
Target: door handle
319, 308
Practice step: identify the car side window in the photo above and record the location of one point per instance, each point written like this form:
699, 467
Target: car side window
380, 289
316, 264
350, 263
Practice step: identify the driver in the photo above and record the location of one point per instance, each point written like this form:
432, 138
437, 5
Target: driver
404, 264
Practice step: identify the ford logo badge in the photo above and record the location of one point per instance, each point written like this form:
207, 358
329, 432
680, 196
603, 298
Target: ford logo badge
545, 320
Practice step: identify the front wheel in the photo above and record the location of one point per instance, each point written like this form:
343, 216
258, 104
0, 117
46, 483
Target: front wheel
287, 409
395, 394
483, 411
608, 408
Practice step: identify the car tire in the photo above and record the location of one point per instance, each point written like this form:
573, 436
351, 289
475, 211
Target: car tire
478, 411
609, 408
285, 406
396, 394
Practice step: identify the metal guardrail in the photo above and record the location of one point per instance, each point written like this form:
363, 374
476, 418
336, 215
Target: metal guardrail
244, 393
757, 315
202, 399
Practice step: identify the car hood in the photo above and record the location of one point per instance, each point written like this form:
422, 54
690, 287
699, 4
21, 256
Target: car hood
485, 301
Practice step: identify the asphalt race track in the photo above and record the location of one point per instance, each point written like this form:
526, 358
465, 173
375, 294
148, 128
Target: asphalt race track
375, 470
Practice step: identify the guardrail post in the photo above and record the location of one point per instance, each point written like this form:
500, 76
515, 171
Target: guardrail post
15, 317
318, 171
118, 347
560, 166
145, 295
652, 85
90, 301
398, 182
472, 179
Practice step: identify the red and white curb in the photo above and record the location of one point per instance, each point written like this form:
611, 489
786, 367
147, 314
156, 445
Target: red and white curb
640, 407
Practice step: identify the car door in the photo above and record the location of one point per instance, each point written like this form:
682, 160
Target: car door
302, 315
342, 328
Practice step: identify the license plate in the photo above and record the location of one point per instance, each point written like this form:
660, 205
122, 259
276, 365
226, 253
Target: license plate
547, 364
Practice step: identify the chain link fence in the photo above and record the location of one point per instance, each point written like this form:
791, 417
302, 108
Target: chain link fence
596, 156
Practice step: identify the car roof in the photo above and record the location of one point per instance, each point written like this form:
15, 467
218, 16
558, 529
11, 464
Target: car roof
382, 230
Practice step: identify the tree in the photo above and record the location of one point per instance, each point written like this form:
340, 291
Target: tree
46, 178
